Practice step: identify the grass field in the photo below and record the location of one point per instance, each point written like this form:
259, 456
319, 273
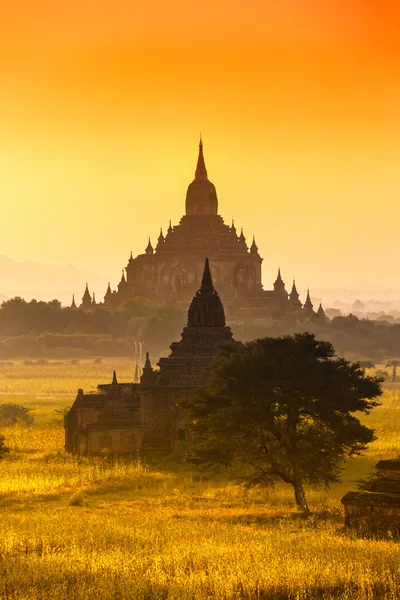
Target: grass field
90, 528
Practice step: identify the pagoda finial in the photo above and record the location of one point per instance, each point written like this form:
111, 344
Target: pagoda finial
108, 293
321, 312
206, 281
170, 227
149, 249
308, 305
253, 247
201, 171
123, 276
86, 299
147, 364
114, 379
73, 304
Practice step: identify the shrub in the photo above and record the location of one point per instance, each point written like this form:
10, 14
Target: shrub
3, 448
15, 413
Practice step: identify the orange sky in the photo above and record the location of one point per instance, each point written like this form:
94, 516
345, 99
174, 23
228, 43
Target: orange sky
101, 104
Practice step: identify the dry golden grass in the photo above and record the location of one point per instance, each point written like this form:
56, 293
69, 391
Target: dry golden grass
61, 378
91, 528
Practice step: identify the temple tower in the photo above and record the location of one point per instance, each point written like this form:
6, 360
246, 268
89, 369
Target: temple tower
206, 329
201, 197
86, 299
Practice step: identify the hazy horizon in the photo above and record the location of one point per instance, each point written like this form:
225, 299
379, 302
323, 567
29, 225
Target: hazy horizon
44, 281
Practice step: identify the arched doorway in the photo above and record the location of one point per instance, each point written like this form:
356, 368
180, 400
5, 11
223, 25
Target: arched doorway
177, 284
181, 435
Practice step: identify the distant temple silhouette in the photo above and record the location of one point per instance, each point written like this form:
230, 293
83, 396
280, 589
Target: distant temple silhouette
170, 271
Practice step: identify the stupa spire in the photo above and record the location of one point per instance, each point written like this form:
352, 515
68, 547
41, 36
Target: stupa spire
161, 239
147, 364
201, 171
308, 305
149, 249
206, 281
206, 309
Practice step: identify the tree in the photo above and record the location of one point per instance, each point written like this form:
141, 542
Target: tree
282, 409
366, 364
393, 364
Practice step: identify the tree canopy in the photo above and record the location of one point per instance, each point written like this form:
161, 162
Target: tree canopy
282, 409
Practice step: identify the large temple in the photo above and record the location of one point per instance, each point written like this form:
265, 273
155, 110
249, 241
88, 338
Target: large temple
169, 272
131, 417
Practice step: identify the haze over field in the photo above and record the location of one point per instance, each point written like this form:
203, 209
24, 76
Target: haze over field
28, 280
298, 105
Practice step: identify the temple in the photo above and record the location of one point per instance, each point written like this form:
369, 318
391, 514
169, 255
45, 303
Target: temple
146, 417
169, 271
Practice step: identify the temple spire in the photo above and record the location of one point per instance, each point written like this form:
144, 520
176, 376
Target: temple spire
294, 297
73, 305
149, 250
308, 305
114, 379
206, 282
201, 171
108, 293
161, 239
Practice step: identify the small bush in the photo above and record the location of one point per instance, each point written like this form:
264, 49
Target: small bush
77, 499
3, 448
10, 414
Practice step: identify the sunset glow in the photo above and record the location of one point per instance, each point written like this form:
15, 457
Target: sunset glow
298, 102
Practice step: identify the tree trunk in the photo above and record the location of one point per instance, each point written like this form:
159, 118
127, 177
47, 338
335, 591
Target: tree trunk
300, 497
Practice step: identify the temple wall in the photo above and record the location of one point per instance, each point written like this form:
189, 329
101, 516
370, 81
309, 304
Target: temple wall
161, 418
119, 440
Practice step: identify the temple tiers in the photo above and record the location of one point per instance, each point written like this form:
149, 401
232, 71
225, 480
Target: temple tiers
169, 271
